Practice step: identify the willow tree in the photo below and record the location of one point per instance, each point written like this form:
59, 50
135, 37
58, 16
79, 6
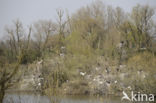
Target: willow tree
18, 46
42, 32
142, 20
7, 73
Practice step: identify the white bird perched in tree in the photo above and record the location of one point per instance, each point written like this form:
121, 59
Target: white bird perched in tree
62, 55
100, 82
39, 84
40, 62
97, 68
81, 73
115, 81
125, 96
108, 83
63, 47
94, 79
129, 87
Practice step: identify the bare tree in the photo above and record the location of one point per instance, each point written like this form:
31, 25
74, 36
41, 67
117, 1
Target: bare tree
43, 30
6, 75
16, 34
142, 19
61, 23
19, 47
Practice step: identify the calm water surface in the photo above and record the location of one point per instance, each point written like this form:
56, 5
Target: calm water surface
37, 98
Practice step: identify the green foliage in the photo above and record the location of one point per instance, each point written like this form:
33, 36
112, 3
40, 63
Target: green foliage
74, 45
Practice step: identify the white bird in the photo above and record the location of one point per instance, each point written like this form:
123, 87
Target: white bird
81, 73
41, 78
97, 68
119, 45
125, 96
144, 76
39, 84
62, 47
108, 83
122, 66
40, 62
62, 55
115, 81
143, 48
94, 79
100, 82
129, 87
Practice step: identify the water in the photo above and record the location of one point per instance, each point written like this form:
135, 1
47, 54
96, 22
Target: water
37, 98
25, 98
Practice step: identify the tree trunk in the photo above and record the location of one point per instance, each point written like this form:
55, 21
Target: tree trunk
2, 93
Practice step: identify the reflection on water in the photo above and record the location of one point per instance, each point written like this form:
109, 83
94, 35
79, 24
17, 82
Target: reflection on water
25, 98
37, 98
